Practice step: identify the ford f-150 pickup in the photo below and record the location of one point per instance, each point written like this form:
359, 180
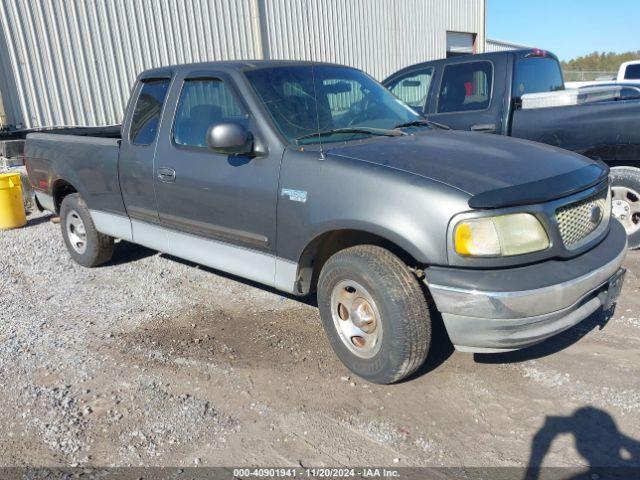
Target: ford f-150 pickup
485, 93
313, 178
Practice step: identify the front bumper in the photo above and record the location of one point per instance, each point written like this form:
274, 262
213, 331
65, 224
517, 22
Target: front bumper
508, 309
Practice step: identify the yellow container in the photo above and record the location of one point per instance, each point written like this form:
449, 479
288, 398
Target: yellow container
11, 207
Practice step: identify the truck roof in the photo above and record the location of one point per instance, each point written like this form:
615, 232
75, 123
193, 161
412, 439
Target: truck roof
520, 53
242, 65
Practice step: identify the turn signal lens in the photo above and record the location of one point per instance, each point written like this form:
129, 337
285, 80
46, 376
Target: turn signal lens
500, 236
477, 238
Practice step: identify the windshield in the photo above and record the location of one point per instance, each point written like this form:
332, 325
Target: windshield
304, 100
537, 75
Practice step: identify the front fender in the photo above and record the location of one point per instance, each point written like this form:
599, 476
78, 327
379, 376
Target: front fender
410, 211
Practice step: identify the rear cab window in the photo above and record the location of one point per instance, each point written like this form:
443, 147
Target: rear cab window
632, 72
466, 87
413, 88
537, 75
146, 114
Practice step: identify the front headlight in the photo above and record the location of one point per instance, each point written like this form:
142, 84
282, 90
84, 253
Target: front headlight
500, 236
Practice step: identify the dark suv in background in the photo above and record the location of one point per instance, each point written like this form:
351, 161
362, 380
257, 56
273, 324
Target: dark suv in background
484, 93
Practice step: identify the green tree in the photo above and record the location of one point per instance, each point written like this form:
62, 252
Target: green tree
600, 61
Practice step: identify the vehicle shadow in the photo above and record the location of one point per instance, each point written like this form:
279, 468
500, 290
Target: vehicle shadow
32, 222
553, 345
126, 252
609, 453
440, 350
440, 347
307, 300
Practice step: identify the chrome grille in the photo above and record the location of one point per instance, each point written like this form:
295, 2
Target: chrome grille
578, 221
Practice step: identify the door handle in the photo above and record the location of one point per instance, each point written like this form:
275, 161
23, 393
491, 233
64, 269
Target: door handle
484, 127
167, 175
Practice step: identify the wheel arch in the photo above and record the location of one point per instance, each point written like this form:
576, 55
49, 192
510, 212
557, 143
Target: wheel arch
318, 250
61, 188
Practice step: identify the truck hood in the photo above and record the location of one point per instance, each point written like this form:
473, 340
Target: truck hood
495, 171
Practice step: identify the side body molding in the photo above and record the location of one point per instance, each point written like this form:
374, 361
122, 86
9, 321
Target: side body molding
264, 268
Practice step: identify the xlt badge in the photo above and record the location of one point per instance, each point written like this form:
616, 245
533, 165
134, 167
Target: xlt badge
295, 195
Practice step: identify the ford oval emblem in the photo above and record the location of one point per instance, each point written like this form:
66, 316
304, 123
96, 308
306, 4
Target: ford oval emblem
595, 215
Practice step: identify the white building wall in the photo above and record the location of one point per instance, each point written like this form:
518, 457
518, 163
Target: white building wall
73, 62
501, 46
378, 36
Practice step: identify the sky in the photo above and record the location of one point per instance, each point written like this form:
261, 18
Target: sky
568, 28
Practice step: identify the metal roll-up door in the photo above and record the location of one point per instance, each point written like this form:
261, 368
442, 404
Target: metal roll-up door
459, 43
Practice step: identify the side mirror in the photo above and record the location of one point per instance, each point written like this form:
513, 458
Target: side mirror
230, 139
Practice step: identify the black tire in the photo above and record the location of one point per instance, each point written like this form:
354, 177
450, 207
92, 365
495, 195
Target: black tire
97, 248
402, 305
628, 177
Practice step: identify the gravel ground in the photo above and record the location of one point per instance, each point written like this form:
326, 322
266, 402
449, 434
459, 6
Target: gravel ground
150, 360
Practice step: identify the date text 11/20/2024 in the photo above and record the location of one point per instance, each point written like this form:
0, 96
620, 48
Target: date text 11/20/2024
315, 473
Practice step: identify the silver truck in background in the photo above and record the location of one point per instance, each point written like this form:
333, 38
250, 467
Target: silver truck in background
629, 72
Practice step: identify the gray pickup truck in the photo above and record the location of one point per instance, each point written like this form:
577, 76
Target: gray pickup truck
313, 178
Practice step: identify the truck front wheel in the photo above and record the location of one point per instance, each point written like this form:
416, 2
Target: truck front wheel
375, 313
87, 246
625, 186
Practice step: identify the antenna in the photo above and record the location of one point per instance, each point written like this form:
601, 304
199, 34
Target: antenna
315, 99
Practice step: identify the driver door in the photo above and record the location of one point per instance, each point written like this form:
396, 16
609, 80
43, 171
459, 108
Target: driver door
467, 97
209, 195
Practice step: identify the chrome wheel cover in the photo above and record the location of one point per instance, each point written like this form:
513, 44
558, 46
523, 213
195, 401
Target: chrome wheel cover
626, 208
356, 318
76, 232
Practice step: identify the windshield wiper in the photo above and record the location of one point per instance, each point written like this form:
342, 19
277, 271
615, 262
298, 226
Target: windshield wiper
424, 121
368, 131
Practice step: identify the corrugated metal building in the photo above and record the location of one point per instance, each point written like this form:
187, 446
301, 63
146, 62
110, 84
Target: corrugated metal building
501, 46
72, 62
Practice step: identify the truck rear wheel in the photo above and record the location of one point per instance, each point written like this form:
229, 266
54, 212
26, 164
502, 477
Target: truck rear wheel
87, 246
625, 186
375, 313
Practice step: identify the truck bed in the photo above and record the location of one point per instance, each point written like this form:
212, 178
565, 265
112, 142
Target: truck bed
109, 131
88, 160
601, 130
